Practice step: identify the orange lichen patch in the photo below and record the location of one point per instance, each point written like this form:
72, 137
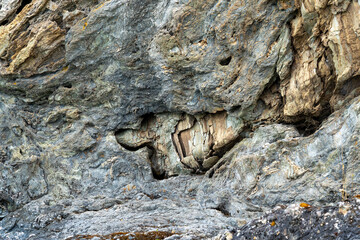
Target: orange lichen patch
305, 205
85, 25
273, 223
126, 235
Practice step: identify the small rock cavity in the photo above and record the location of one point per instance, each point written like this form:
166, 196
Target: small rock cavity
225, 61
182, 143
23, 4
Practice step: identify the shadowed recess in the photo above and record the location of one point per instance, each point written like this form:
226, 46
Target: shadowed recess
23, 4
225, 61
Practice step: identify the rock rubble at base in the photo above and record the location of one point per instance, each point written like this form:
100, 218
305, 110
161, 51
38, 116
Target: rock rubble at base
337, 221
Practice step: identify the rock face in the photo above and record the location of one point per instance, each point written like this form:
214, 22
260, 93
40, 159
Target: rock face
182, 117
303, 221
176, 141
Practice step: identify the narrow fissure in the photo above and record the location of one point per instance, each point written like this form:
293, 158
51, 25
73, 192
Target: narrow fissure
222, 151
182, 146
222, 208
133, 149
157, 174
23, 4
147, 119
6, 201
309, 125
6, 21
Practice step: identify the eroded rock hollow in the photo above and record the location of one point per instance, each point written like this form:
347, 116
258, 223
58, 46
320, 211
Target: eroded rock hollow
177, 119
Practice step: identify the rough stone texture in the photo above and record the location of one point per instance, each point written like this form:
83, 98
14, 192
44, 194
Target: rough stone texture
197, 141
299, 221
326, 42
186, 117
275, 166
7, 8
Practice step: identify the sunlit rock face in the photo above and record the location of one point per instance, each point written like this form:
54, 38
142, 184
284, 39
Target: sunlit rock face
183, 117
326, 41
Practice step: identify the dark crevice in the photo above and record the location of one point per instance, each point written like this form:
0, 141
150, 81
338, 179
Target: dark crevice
223, 209
67, 85
218, 165
133, 149
152, 196
23, 4
308, 125
70, 7
156, 172
225, 61
350, 85
182, 146
7, 201
305, 124
59, 21
6, 21
146, 119
227, 147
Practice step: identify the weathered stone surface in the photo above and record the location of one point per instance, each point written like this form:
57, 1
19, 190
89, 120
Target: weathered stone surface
178, 142
189, 117
297, 222
327, 49
277, 166
7, 8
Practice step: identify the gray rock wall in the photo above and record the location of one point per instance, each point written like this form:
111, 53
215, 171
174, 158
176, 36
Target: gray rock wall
186, 118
